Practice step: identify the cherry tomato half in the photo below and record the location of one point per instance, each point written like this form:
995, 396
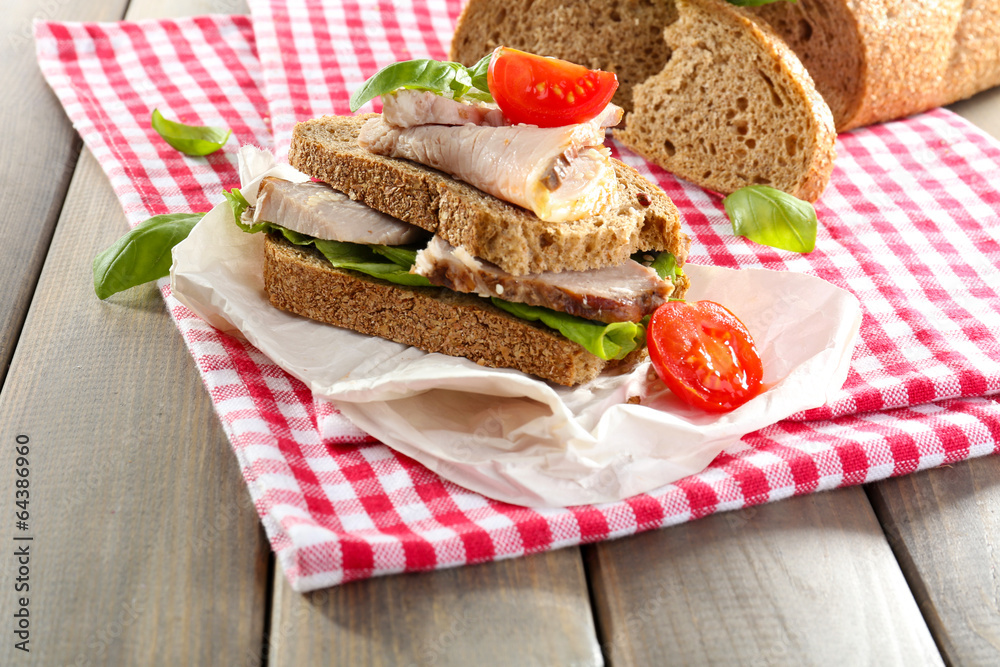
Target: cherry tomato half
545, 91
704, 354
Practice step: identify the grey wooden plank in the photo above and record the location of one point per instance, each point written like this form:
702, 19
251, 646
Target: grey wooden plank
944, 526
40, 150
805, 581
982, 109
145, 9
146, 547
526, 611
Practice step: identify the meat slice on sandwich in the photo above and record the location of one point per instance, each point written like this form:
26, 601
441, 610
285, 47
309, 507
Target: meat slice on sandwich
622, 293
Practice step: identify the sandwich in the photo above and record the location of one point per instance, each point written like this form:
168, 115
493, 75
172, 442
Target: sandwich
442, 224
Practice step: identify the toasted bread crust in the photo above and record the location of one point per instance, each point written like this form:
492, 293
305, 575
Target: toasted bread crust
434, 319
642, 218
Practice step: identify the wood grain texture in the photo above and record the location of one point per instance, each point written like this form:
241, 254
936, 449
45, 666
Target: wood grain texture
40, 149
147, 548
944, 526
809, 580
526, 611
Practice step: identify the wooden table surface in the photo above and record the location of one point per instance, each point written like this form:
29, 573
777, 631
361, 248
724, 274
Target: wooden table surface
147, 550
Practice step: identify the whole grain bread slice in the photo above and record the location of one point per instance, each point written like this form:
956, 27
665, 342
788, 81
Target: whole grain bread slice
642, 218
732, 107
434, 319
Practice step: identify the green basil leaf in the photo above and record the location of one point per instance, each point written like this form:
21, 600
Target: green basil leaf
386, 262
478, 73
772, 218
363, 258
141, 255
755, 3
444, 78
239, 204
400, 254
479, 96
196, 140
607, 341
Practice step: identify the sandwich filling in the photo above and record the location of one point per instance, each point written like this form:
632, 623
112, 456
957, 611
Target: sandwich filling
408, 108
602, 309
316, 209
559, 173
624, 293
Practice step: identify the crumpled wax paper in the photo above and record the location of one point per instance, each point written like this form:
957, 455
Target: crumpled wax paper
505, 434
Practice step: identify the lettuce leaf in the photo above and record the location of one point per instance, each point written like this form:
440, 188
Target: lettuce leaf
369, 260
239, 204
607, 341
392, 263
385, 262
665, 264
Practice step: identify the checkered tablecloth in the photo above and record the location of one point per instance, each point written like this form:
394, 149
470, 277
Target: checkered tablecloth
910, 224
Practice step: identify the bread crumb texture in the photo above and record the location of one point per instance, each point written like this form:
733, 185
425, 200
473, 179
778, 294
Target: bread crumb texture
825, 37
870, 60
732, 107
621, 36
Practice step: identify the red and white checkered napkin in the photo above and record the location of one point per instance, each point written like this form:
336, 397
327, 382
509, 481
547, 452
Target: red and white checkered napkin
910, 225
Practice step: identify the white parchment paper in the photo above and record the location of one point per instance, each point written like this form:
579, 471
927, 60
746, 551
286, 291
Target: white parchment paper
504, 434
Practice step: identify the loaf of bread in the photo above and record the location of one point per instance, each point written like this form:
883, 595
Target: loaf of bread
642, 218
434, 319
875, 60
716, 98
871, 60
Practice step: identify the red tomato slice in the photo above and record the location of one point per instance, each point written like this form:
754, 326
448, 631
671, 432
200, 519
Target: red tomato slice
704, 354
545, 91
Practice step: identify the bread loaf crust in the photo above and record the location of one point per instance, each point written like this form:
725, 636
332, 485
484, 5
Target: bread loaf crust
641, 218
876, 60
434, 319
733, 107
